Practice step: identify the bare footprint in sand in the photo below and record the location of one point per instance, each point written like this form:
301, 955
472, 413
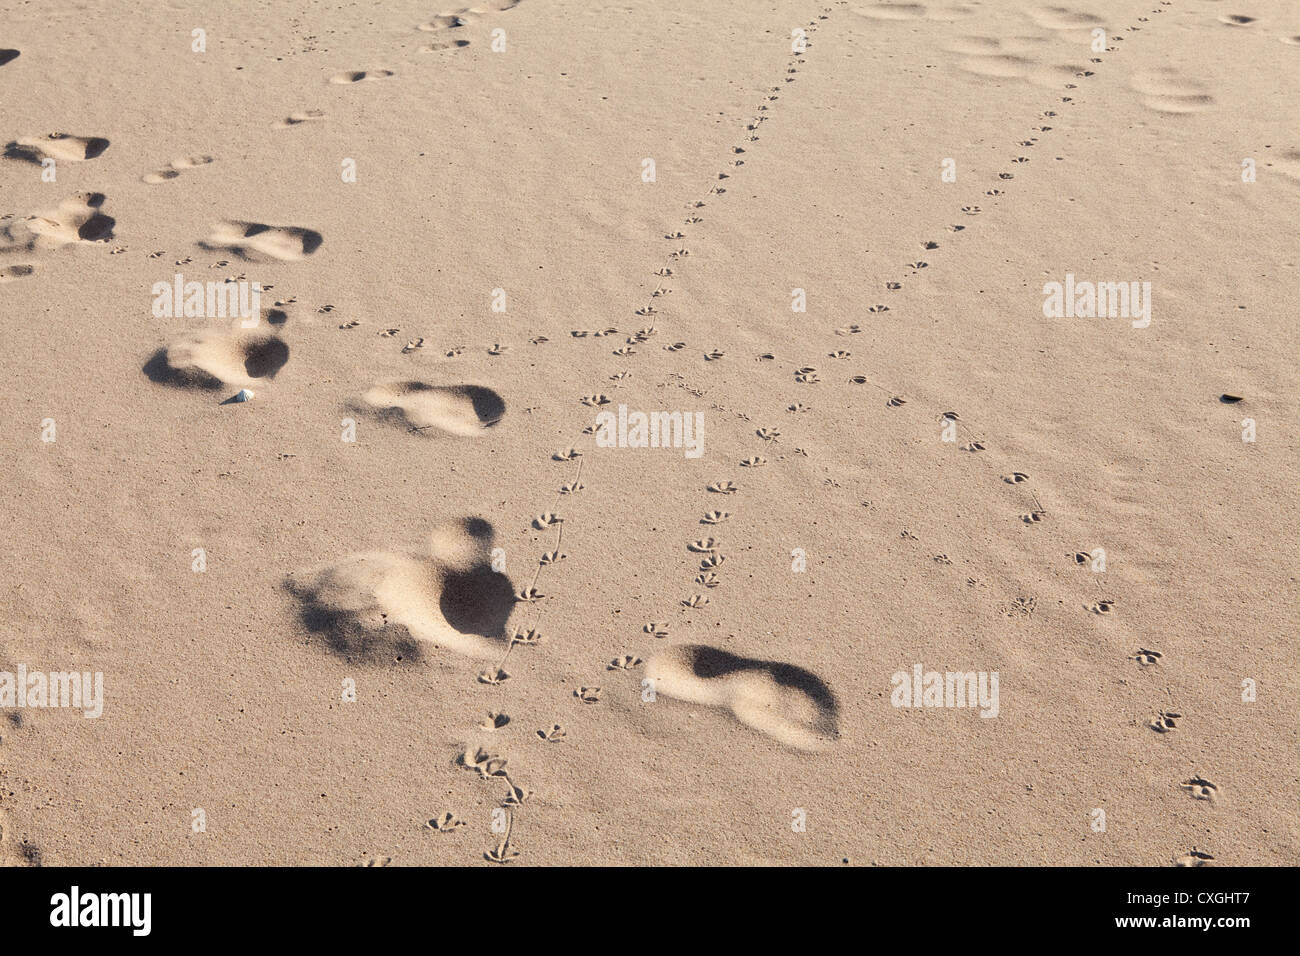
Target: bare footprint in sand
893, 11
298, 118
258, 242
213, 359
915, 11
383, 604
14, 852
464, 410
1288, 161
356, 76
785, 702
1167, 91
438, 45
465, 16
15, 272
1063, 18
76, 219
62, 147
175, 168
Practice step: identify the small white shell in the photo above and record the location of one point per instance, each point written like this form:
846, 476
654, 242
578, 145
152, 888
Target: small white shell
243, 395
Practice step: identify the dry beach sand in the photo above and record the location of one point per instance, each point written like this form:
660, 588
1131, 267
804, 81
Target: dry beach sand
564, 652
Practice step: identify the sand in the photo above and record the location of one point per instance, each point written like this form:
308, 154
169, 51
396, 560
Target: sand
430, 596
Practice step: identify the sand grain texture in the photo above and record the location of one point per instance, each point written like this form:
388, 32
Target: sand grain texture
644, 656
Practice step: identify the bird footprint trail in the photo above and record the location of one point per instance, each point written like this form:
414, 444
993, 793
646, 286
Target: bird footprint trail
530, 636
786, 702
1162, 90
